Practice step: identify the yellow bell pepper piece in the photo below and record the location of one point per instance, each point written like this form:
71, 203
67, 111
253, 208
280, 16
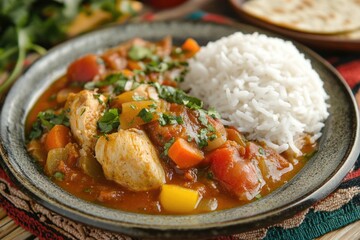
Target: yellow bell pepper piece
129, 116
177, 199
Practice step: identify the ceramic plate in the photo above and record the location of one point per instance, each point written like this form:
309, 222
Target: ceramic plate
319, 41
339, 145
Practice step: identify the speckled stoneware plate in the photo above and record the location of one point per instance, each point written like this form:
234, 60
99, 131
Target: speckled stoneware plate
339, 145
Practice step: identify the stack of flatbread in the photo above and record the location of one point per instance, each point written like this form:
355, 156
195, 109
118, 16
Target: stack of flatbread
331, 17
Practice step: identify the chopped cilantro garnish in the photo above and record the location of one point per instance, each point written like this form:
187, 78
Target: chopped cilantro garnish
168, 145
177, 51
212, 137
118, 81
137, 53
146, 115
156, 66
136, 97
97, 97
166, 119
210, 175
59, 176
213, 113
202, 117
202, 140
178, 96
45, 121
261, 151
109, 121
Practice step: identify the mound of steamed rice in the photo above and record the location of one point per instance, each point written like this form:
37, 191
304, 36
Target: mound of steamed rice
261, 85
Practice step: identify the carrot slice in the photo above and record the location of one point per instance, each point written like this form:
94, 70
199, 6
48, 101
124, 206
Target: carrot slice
57, 137
190, 46
184, 154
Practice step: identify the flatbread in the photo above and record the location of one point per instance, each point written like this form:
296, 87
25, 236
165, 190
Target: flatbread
312, 16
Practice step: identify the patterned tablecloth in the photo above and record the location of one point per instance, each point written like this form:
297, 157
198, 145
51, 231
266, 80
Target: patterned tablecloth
339, 209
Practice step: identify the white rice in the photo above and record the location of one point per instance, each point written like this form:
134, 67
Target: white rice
261, 85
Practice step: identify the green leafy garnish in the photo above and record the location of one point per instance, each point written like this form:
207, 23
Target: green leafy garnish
136, 97
59, 176
109, 121
146, 115
97, 97
168, 145
202, 117
178, 96
137, 53
45, 121
202, 138
213, 113
261, 151
156, 66
166, 119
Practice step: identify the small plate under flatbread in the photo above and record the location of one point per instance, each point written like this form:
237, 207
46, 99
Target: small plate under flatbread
311, 16
348, 41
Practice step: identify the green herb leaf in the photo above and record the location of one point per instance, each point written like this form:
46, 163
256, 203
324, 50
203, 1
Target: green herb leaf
202, 117
46, 121
213, 113
118, 81
166, 119
97, 96
261, 151
137, 53
136, 97
178, 96
109, 121
59, 176
168, 145
156, 66
202, 140
146, 115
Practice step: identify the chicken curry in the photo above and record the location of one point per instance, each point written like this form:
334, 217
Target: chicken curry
116, 131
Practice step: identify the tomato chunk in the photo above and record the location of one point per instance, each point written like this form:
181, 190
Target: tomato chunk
236, 174
85, 68
272, 165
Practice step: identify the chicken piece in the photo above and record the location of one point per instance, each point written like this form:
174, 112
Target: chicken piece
129, 158
85, 109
